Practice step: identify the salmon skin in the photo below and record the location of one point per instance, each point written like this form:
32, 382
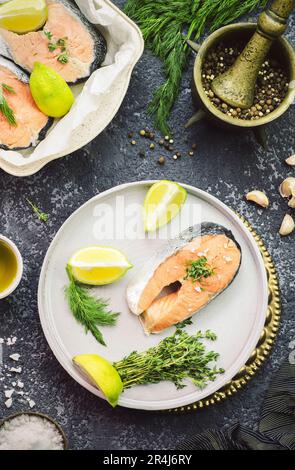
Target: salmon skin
163, 294
85, 47
31, 124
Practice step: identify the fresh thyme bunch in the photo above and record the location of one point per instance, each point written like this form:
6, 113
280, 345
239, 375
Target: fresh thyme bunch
177, 357
166, 25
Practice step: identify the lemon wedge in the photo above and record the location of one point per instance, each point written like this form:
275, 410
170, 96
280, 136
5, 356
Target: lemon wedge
98, 265
50, 91
22, 16
162, 202
102, 374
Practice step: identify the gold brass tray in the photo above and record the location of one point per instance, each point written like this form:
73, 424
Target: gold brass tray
267, 337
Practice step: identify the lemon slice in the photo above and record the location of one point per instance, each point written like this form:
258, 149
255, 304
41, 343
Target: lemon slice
98, 265
102, 374
162, 202
50, 91
22, 16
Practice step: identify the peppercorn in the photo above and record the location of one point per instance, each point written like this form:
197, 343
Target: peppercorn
142, 132
152, 146
161, 160
133, 142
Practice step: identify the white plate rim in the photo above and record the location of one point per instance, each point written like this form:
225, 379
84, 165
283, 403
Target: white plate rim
176, 402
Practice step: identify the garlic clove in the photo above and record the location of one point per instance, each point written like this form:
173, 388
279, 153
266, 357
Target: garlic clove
288, 225
290, 160
258, 197
291, 203
287, 188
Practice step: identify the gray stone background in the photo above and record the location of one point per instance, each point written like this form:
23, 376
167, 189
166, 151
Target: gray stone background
226, 165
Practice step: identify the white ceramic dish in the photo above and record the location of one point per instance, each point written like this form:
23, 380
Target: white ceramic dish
237, 316
19, 273
105, 94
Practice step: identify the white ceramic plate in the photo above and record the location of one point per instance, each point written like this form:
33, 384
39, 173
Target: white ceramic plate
237, 315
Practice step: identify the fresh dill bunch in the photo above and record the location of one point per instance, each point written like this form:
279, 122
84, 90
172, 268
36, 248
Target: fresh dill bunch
5, 109
89, 311
199, 269
42, 216
167, 25
175, 358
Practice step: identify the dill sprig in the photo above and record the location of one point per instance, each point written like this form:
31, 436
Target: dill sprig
89, 311
166, 25
175, 358
199, 269
42, 216
5, 109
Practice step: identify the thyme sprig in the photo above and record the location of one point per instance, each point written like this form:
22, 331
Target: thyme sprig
42, 216
5, 109
89, 311
175, 358
166, 26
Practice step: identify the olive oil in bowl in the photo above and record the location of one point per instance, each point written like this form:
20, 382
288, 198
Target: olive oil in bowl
9, 266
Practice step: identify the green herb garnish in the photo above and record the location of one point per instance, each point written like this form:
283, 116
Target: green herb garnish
177, 357
5, 109
63, 58
88, 310
48, 34
199, 269
61, 42
52, 47
166, 25
184, 323
41, 215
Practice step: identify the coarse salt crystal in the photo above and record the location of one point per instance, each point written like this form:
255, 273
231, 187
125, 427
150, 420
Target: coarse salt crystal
1, 340
8, 393
17, 370
31, 403
13, 384
198, 289
8, 403
20, 384
227, 259
15, 357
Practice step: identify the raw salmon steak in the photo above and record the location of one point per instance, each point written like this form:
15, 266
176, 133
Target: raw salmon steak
31, 124
68, 43
165, 293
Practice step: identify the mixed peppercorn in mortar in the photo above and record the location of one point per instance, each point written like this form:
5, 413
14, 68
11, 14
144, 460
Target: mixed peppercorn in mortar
270, 90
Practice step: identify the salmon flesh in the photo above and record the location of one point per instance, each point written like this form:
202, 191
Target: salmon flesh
31, 124
163, 294
82, 45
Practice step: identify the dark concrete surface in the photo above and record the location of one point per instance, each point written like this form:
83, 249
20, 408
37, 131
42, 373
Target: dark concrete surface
227, 166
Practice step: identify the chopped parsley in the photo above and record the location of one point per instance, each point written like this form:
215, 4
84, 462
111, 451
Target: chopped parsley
199, 269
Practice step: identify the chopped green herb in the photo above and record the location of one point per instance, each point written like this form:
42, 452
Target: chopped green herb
184, 323
8, 88
62, 42
52, 47
89, 311
63, 58
5, 109
48, 34
41, 215
175, 358
199, 269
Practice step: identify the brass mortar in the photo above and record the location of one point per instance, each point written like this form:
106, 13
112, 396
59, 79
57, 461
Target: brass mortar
280, 49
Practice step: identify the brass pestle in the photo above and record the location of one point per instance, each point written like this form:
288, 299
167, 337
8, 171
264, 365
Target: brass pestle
237, 85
